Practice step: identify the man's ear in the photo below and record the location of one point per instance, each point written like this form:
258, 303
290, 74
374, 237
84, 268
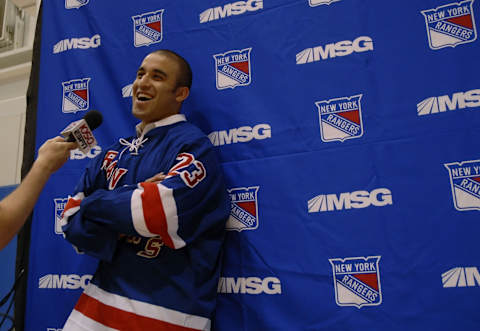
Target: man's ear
181, 93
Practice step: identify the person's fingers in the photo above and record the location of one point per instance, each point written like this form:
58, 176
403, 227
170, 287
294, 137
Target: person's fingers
53, 153
71, 145
157, 178
67, 144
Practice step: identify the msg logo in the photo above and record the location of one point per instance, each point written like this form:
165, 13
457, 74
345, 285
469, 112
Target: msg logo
69, 282
235, 8
240, 135
330, 51
440, 104
76, 154
74, 43
358, 199
249, 285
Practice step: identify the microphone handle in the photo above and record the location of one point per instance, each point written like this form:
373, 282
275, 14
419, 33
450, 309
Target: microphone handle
70, 139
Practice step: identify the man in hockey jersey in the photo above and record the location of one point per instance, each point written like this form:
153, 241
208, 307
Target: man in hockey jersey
158, 242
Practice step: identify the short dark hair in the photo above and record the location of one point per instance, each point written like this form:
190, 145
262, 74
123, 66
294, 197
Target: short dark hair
185, 75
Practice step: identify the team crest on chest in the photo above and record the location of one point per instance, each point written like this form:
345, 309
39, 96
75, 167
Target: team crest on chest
75, 95
357, 281
147, 28
60, 204
112, 172
450, 25
340, 118
465, 184
233, 68
69, 4
244, 212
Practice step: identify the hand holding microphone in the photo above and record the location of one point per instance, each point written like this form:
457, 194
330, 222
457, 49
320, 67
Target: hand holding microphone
53, 154
81, 131
16, 207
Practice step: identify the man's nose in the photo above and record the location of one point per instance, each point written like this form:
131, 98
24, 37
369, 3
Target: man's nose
143, 81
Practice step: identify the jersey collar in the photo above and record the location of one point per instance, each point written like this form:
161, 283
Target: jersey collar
172, 119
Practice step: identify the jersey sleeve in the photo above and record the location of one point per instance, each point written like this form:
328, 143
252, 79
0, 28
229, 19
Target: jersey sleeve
191, 202
86, 236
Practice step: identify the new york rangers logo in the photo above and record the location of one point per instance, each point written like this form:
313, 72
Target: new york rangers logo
340, 118
233, 68
314, 3
59, 207
450, 25
244, 213
465, 184
69, 4
75, 95
357, 281
112, 172
147, 28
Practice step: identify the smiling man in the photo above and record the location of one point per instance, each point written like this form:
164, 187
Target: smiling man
163, 82
152, 208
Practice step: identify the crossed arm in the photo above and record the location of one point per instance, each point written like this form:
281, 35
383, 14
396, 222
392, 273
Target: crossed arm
170, 206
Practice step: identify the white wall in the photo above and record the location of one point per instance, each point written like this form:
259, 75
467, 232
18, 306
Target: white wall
13, 88
15, 68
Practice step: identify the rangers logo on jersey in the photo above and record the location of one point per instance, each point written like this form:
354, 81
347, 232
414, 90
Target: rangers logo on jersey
357, 281
450, 25
314, 3
75, 95
59, 207
465, 184
233, 68
112, 173
69, 4
244, 214
340, 118
147, 28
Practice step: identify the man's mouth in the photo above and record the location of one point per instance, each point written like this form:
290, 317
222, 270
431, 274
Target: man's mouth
143, 97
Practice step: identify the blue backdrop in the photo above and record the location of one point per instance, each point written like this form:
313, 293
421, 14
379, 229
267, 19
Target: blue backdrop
347, 133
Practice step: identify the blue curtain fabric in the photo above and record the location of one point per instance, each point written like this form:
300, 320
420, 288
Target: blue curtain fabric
346, 130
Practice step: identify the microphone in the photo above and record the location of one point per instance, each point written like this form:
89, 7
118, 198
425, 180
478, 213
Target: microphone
81, 131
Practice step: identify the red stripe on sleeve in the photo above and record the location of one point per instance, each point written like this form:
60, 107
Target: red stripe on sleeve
153, 212
71, 203
119, 319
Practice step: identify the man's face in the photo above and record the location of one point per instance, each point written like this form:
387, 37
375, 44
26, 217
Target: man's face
154, 92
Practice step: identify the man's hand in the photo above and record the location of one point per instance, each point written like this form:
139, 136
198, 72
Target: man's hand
53, 154
157, 178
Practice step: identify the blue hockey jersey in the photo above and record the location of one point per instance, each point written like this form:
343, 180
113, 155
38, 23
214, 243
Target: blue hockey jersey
159, 243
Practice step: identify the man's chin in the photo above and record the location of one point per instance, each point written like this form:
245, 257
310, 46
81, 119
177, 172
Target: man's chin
138, 113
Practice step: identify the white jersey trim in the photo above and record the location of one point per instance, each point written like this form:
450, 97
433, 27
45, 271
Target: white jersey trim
79, 322
148, 310
67, 213
171, 216
137, 213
